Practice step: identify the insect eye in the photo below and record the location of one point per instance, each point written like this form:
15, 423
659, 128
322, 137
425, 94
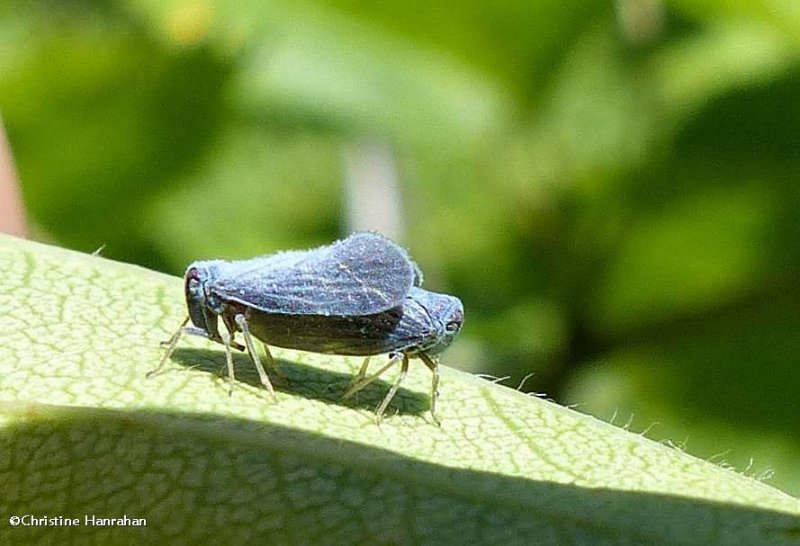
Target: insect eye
452, 326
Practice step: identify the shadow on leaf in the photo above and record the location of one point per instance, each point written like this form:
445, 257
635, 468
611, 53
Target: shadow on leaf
306, 380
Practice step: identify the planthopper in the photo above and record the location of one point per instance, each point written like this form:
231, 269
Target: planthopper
358, 296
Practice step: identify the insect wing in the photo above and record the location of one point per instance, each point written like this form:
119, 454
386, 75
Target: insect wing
361, 275
412, 327
351, 335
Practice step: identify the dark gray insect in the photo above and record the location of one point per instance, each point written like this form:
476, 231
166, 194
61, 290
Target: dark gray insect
364, 274
428, 323
423, 326
358, 296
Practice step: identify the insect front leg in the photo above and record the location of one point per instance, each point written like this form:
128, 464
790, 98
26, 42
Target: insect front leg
241, 322
170, 343
434, 368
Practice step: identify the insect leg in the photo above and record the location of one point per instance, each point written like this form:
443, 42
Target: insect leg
274, 363
241, 322
170, 343
226, 340
393, 390
362, 373
358, 385
434, 368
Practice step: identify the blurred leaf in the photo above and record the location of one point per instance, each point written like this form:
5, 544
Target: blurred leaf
727, 56
97, 111
309, 65
258, 193
781, 15
516, 42
704, 250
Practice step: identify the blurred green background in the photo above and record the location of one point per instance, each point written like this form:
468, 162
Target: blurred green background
610, 187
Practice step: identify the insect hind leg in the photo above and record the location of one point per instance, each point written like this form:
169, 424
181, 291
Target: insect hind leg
360, 376
359, 384
272, 363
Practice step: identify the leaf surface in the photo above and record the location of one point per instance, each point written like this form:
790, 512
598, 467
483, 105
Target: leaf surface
85, 433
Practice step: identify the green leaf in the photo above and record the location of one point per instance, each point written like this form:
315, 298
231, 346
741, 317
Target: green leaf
85, 433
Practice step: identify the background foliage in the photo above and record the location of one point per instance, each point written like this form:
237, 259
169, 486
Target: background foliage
611, 188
